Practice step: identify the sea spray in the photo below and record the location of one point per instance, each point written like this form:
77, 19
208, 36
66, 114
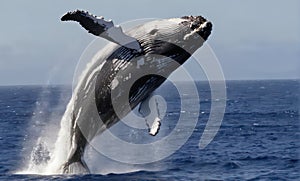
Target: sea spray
62, 144
39, 156
38, 144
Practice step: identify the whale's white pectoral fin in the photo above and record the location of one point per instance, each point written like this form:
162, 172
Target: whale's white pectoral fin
149, 108
155, 126
100, 27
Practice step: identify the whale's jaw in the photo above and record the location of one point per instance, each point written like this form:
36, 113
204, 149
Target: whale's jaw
199, 25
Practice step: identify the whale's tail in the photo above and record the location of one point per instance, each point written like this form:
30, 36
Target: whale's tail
75, 162
75, 166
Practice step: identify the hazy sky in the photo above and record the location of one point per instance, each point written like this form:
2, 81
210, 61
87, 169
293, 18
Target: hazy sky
252, 39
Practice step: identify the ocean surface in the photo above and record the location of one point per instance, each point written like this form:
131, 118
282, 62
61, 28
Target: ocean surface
258, 138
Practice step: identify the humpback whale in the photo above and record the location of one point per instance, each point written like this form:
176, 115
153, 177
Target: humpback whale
125, 73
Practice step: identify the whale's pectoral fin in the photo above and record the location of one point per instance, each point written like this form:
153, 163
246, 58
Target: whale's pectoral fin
100, 27
149, 108
95, 25
155, 126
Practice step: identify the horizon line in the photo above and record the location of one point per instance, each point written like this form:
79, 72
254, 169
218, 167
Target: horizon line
67, 84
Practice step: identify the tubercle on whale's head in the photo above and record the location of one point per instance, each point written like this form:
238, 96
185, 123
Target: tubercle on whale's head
198, 25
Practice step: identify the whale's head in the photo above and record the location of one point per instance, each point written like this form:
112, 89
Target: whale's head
178, 38
198, 26
189, 32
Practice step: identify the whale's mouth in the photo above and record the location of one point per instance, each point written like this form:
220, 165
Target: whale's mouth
199, 25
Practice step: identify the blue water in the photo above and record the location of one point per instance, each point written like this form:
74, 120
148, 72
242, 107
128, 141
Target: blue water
258, 139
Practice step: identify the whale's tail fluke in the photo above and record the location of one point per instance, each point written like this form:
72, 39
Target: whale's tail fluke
75, 163
75, 167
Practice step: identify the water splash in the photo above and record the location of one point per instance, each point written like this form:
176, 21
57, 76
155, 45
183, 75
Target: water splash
39, 147
51, 158
62, 144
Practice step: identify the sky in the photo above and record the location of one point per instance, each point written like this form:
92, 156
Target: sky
251, 39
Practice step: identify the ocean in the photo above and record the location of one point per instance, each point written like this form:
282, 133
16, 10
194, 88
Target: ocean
258, 138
